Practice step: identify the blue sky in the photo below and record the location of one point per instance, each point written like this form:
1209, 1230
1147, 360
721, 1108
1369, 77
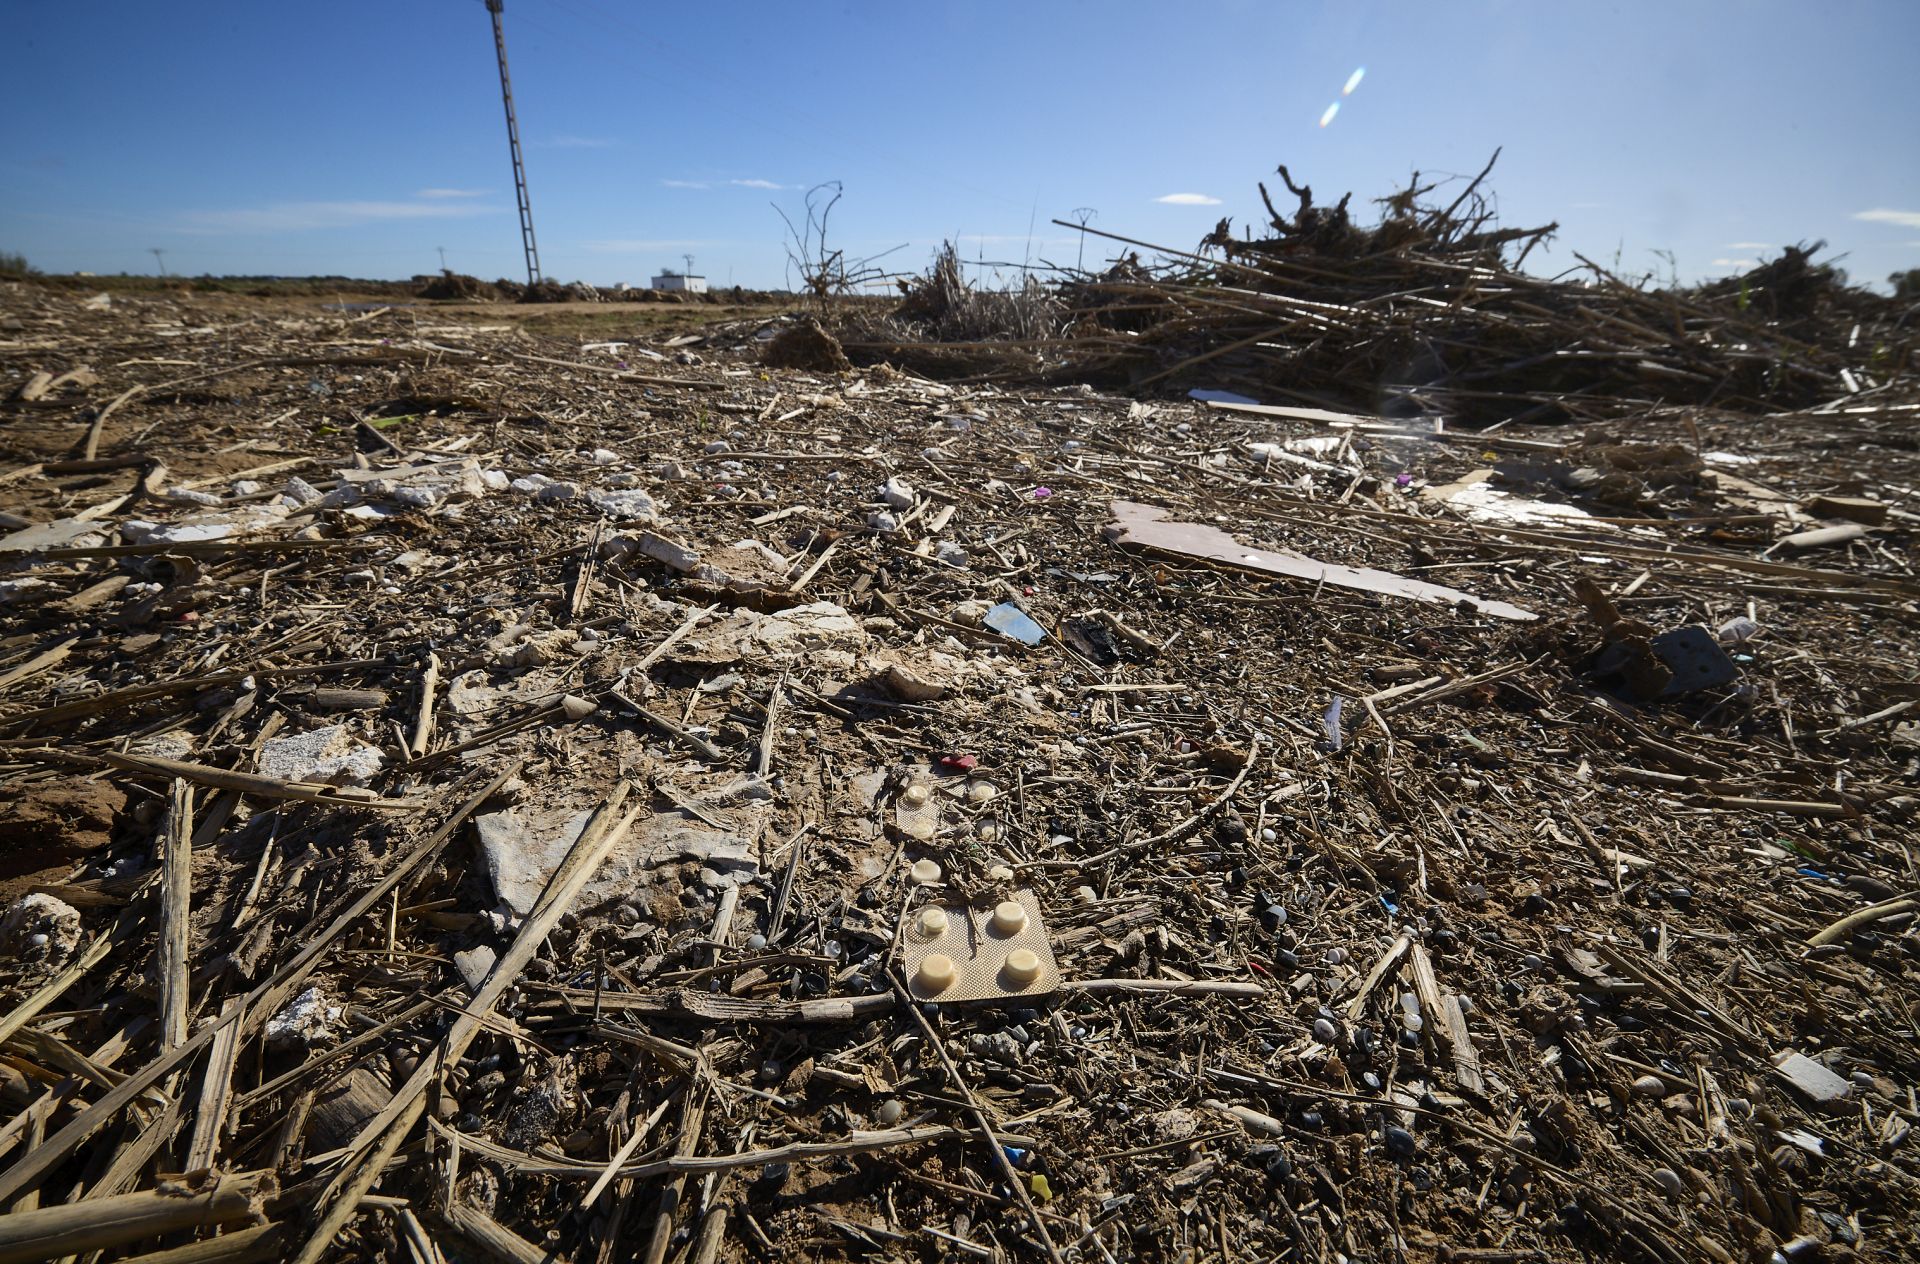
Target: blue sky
355, 137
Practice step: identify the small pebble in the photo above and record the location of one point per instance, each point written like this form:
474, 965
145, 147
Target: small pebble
1669, 1182
890, 1113
1650, 1086
1400, 1143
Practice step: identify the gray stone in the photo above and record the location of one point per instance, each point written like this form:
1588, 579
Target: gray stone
474, 965
521, 854
300, 491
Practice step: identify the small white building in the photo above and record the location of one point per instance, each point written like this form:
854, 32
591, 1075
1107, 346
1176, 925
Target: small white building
671, 280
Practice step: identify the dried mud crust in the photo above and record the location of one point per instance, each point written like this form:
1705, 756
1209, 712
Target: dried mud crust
45, 826
1491, 962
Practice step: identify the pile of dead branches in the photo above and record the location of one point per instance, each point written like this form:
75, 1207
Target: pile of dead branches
454, 285
1426, 312
946, 325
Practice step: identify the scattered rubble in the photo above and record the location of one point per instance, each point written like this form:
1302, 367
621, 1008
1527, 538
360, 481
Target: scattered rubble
512, 829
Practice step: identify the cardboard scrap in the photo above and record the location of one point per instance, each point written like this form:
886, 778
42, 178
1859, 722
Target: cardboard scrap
1146, 527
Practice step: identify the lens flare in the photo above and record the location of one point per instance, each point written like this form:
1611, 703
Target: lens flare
1328, 116
1353, 81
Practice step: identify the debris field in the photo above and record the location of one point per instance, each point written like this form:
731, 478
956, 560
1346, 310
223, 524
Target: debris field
468, 795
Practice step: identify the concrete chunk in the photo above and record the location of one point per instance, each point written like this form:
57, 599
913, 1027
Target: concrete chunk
331, 755
522, 849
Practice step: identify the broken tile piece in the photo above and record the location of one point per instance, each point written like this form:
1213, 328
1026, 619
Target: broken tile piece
1811, 1078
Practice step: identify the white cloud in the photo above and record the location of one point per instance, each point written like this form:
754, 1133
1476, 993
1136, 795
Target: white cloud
567, 141
1905, 219
294, 216
1188, 199
450, 193
642, 246
738, 184
1736, 264
1749, 245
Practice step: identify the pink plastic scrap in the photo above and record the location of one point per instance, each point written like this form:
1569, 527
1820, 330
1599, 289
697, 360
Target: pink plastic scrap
1146, 527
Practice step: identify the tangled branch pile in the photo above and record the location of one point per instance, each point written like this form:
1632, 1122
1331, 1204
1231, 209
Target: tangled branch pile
1426, 312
